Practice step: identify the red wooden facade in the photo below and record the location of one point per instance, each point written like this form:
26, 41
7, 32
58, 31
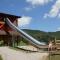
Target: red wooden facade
6, 33
12, 18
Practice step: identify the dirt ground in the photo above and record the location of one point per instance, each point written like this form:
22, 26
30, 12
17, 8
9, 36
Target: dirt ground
11, 54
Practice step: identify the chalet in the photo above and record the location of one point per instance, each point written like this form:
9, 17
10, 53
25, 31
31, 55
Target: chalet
8, 35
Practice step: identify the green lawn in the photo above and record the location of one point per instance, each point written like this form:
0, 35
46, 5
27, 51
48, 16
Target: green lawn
22, 43
1, 58
55, 56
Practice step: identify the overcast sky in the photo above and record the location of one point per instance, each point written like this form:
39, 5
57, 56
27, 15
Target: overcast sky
36, 14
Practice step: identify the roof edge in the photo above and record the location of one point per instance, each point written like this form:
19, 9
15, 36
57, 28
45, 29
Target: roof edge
6, 15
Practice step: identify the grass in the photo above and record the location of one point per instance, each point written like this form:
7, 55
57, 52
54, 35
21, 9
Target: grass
55, 56
1, 58
22, 43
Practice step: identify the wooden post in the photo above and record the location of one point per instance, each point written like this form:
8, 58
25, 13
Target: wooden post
17, 40
13, 40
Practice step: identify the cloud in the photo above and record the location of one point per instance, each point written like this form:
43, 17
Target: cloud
55, 10
45, 16
28, 8
59, 15
58, 29
35, 3
24, 21
38, 2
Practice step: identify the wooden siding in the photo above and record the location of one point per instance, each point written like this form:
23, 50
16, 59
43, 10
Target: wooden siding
5, 27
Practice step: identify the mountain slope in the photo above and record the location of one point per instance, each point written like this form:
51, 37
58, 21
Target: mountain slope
41, 35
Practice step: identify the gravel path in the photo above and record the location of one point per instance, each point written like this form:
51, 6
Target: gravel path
10, 54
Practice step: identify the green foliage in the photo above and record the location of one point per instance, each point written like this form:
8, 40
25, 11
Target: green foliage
55, 34
40, 35
22, 43
1, 42
1, 58
54, 57
43, 36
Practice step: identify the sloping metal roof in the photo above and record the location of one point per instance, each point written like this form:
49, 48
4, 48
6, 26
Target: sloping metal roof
9, 15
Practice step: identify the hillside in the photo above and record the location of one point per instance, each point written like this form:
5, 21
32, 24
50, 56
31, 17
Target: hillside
55, 34
43, 36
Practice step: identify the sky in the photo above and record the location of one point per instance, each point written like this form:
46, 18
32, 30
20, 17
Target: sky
41, 15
